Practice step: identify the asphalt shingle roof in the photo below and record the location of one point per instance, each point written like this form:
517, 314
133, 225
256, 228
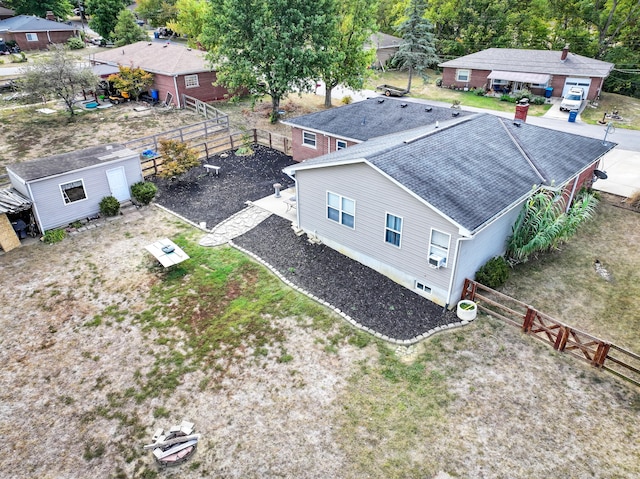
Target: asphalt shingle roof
532, 61
373, 117
71, 161
155, 57
28, 23
476, 167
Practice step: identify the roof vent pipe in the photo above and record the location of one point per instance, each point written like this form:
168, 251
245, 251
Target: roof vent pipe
565, 52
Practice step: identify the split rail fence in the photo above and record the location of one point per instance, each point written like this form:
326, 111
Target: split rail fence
562, 337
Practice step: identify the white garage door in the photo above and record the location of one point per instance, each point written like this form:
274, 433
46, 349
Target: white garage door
583, 83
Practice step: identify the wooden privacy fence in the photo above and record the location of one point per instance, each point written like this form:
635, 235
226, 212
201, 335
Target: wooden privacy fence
562, 337
224, 141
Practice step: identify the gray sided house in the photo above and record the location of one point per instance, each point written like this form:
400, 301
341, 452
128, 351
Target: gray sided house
428, 207
330, 130
69, 187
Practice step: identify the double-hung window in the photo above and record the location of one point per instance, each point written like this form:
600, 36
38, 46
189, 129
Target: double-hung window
340, 145
73, 191
191, 81
341, 210
393, 229
309, 139
32, 37
439, 248
462, 75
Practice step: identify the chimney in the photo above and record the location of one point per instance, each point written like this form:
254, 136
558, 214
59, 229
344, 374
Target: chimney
50, 16
565, 52
522, 108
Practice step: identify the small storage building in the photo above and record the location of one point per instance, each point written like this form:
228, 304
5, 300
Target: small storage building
68, 187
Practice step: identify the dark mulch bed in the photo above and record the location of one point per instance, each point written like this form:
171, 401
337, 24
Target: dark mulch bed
367, 296
201, 197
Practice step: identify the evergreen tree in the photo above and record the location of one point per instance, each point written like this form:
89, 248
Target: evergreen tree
417, 50
127, 30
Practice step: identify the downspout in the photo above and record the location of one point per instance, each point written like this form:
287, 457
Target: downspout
455, 268
573, 192
49, 37
175, 86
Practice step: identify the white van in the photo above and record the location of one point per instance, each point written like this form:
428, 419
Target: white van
573, 99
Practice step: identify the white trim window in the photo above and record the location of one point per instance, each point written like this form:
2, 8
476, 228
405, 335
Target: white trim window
32, 37
463, 75
309, 139
423, 287
393, 229
439, 246
340, 145
341, 210
73, 191
191, 81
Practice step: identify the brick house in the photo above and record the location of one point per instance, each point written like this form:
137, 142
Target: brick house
34, 33
177, 70
331, 130
509, 69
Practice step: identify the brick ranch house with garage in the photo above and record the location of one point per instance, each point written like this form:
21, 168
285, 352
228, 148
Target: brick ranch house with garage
334, 129
69, 187
34, 33
177, 70
428, 206
501, 68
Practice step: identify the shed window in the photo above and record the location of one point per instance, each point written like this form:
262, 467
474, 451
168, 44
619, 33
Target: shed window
393, 229
462, 75
191, 81
309, 139
341, 210
73, 191
32, 37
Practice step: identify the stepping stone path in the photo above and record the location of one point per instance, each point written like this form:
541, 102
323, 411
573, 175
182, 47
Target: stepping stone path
235, 225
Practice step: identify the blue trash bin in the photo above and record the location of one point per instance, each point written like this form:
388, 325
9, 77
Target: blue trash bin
573, 114
548, 91
155, 94
156, 34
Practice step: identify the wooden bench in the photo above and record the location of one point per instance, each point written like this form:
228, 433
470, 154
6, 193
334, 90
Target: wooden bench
215, 169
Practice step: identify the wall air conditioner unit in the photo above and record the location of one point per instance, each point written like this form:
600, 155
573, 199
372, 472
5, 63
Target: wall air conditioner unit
436, 261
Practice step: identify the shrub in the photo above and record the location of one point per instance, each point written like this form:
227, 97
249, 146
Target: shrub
74, 43
54, 236
144, 191
479, 92
439, 82
494, 273
634, 200
109, 206
177, 158
507, 97
538, 100
346, 100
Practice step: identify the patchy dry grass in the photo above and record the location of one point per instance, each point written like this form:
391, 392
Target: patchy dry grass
628, 108
565, 285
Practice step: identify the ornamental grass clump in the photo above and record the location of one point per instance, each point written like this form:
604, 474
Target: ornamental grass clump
544, 223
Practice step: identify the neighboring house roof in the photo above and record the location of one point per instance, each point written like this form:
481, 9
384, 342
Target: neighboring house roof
474, 168
373, 117
31, 24
72, 161
531, 61
381, 40
155, 57
6, 12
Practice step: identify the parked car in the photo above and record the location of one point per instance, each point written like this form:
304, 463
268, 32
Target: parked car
573, 99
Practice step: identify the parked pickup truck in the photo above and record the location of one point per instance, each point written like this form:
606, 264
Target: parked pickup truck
390, 90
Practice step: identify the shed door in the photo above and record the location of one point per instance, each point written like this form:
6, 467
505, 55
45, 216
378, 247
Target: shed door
118, 184
583, 83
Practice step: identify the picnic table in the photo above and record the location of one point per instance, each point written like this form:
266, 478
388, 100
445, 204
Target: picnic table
167, 252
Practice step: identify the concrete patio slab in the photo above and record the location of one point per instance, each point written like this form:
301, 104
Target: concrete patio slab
623, 171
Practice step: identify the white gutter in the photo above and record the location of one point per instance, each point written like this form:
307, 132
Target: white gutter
455, 267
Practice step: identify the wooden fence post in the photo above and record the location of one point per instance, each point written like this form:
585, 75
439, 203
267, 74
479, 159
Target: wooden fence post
255, 135
561, 339
601, 355
528, 319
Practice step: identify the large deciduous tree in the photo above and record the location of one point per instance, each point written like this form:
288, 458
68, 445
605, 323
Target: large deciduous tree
348, 58
127, 30
270, 47
158, 12
417, 52
60, 75
39, 8
104, 15
190, 19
